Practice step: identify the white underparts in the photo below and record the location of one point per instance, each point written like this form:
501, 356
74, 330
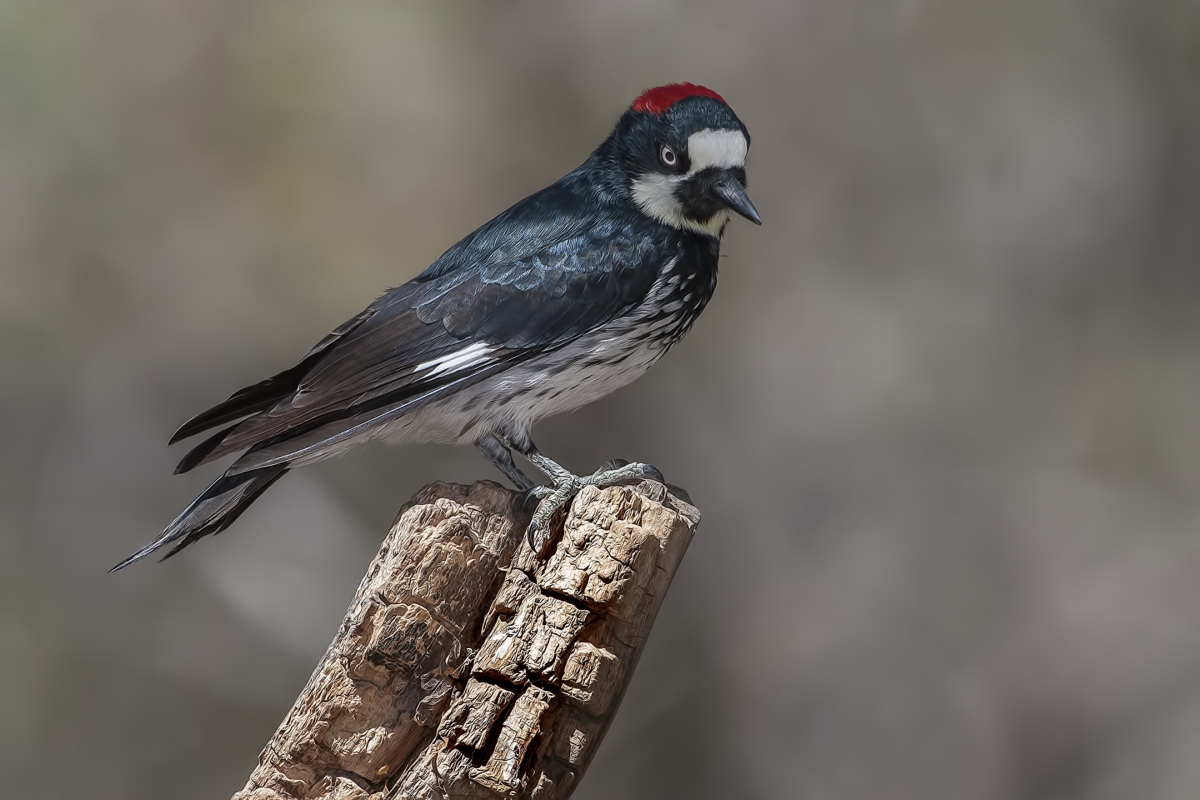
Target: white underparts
460, 359
654, 192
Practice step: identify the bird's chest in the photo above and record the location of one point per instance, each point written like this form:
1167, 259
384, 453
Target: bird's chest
676, 298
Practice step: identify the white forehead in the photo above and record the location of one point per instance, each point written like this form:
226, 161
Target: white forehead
717, 148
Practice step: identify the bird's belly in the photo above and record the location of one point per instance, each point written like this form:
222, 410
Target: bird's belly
570, 378
551, 383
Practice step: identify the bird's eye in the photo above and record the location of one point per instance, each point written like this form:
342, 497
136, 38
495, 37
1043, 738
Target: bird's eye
668, 156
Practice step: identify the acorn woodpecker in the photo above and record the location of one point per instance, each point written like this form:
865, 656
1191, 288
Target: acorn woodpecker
571, 293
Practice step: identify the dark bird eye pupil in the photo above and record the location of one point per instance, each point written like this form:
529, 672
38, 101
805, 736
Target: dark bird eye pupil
668, 156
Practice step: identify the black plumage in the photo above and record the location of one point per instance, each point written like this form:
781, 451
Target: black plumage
571, 292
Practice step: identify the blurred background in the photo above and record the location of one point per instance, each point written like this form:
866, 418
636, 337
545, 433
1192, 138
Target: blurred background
941, 416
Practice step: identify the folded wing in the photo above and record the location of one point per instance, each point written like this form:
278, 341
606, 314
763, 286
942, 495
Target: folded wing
439, 333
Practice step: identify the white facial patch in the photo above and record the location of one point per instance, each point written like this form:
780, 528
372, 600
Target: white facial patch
469, 356
717, 148
655, 192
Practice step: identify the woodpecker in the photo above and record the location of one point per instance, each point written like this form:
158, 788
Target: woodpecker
571, 293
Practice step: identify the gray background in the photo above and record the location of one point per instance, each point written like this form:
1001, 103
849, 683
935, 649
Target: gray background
941, 416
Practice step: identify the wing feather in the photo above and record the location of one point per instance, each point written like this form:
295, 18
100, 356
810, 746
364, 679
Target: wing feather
267, 393
369, 370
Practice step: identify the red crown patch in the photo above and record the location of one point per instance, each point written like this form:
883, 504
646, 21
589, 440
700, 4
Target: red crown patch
660, 98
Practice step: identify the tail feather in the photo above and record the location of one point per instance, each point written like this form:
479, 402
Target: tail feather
211, 512
242, 403
264, 394
196, 456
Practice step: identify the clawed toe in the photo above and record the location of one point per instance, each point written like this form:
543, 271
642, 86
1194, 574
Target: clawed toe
554, 498
541, 492
624, 471
654, 473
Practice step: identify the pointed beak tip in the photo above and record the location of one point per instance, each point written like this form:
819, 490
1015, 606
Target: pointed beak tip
748, 211
733, 194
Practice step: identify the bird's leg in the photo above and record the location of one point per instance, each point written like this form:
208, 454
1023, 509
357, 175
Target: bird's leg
501, 458
566, 485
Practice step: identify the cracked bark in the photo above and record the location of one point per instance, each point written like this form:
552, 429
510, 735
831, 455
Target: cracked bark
469, 666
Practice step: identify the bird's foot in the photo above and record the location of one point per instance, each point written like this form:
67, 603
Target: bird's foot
618, 471
554, 498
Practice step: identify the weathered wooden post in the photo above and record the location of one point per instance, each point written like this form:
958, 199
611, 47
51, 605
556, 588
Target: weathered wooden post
469, 666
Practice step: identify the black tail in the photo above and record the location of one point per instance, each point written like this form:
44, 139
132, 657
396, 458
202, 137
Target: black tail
211, 512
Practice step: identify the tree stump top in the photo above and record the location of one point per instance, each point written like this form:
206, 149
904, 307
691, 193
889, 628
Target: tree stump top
469, 666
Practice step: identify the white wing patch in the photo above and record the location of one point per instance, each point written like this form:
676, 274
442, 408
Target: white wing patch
460, 359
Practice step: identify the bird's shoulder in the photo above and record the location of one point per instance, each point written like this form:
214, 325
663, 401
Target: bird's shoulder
571, 217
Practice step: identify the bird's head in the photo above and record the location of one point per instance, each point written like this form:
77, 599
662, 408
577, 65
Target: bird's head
684, 152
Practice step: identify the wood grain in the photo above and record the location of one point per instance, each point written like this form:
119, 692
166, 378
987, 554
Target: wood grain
469, 666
